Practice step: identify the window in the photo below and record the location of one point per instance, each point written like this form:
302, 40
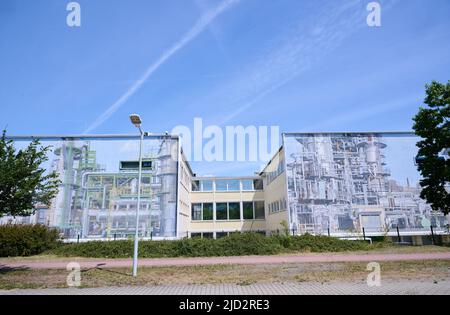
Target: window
221, 234
207, 185
196, 211
221, 185
196, 235
247, 185
195, 185
259, 210
221, 211
258, 184
248, 210
208, 235
233, 185
271, 176
207, 211
234, 211
371, 222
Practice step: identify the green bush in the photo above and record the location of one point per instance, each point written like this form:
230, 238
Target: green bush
310, 243
237, 244
26, 240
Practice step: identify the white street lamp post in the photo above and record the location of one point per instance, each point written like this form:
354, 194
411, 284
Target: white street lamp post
136, 120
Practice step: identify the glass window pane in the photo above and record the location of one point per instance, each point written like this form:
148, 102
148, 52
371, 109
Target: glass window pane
207, 211
221, 211
196, 211
233, 185
258, 184
221, 234
371, 222
208, 235
207, 185
248, 210
259, 210
234, 211
247, 185
195, 185
221, 185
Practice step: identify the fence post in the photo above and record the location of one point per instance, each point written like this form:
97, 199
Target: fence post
329, 232
364, 233
432, 235
151, 235
78, 238
187, 234
398, 235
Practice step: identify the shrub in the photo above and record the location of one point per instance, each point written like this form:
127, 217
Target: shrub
237, 244
310, 243
26, 240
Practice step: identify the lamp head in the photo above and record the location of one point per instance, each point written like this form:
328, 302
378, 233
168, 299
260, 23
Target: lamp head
136, 120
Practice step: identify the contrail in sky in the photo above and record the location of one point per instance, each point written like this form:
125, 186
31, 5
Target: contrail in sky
198, 28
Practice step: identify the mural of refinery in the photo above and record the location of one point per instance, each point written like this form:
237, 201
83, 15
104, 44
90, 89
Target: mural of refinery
341, 183
98, 200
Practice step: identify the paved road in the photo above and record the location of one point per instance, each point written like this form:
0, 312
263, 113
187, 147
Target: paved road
251, 260
336, 288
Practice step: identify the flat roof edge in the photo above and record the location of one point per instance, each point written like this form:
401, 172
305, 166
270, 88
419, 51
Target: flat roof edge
100, 136
224, 177
407, 133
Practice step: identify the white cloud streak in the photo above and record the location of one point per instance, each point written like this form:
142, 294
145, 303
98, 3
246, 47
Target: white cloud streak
296, 52
365, 112
198, 28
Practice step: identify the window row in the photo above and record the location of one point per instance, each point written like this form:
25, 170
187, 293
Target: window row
277, 206
227, 185
271, 176
184, 176
223, 211
219, 234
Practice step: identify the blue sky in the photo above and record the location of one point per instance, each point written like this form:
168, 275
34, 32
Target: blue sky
302, 65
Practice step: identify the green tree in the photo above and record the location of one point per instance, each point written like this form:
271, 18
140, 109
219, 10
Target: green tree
433, 126
23, 183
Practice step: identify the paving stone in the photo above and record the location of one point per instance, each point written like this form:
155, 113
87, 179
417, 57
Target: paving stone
339, 288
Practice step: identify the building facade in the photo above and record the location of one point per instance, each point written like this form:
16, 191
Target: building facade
337, 184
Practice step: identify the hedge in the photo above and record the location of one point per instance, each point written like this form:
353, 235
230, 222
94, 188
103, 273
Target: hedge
236, 244
26, 240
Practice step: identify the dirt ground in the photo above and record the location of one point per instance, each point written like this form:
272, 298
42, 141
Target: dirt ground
236, 274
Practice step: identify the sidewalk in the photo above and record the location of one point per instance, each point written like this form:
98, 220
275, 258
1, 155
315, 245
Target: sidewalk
336, 288
303, 258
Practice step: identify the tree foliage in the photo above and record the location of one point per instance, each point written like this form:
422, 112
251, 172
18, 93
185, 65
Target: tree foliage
23, 182
433, 126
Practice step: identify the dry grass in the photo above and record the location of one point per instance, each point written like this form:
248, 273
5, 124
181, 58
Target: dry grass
238, 274
383, 250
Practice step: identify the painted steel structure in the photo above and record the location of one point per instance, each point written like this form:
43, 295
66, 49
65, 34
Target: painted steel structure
341, 184
97, 197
